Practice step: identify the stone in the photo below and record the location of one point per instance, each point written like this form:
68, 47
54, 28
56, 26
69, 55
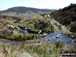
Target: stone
25, 55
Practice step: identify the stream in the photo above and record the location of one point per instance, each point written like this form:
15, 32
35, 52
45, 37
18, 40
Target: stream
64, 39
55, 37
49, 38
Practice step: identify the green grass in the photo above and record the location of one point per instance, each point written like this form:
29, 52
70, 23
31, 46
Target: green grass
35, 30
43, 50
49, 29
20, 37
59, 26
56, 24
30, 37
12, 51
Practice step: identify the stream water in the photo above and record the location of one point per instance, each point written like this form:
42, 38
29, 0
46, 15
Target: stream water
52, 37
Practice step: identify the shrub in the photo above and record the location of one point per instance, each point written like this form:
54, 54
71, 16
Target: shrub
41, 24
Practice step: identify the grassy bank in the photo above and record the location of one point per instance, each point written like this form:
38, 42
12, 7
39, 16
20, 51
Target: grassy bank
42, 50
19, 37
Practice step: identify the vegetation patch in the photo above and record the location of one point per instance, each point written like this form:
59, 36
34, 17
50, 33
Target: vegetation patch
1, 25
49, 29
59, 27
20, 37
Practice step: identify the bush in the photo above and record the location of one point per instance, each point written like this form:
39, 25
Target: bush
41, 24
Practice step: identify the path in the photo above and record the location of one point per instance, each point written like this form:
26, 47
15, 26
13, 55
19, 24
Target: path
56, 29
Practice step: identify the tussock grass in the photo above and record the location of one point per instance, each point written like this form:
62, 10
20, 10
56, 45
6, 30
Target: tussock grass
42, 50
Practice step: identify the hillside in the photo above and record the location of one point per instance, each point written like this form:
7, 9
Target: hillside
66, 16
24, 12
22, 34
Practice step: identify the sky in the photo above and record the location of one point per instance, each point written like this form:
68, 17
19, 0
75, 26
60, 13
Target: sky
42, 4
